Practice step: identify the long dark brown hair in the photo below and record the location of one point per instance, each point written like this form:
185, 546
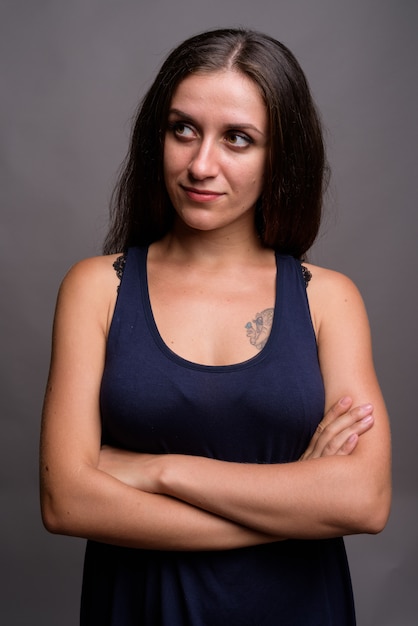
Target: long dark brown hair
288, 212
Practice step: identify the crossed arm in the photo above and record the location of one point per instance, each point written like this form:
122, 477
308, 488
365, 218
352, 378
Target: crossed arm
341, 485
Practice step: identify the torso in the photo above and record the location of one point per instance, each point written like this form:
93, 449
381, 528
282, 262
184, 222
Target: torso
264, 411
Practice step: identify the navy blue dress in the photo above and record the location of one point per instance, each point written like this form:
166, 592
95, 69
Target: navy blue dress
263, 410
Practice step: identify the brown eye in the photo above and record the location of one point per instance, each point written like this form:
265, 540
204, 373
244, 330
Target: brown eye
239, 140
182, 130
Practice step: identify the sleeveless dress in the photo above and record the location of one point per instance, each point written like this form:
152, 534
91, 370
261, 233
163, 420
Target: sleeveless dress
263, 410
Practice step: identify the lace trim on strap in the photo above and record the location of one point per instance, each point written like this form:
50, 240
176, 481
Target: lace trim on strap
119, 266
306, 275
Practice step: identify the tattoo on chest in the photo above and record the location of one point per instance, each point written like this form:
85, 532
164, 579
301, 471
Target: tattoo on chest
259, 329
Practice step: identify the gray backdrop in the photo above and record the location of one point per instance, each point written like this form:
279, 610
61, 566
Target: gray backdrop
71, 76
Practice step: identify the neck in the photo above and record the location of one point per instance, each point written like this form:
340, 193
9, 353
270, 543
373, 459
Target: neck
213, 247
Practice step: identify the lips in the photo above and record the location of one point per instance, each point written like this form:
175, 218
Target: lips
201, 195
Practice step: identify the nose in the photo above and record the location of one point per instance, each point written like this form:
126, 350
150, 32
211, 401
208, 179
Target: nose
204, 162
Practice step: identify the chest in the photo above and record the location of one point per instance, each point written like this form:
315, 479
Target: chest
213, 319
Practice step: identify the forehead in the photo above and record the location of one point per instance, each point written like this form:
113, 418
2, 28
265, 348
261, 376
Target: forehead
226, 92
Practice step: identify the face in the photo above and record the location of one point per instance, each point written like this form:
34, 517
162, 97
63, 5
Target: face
215, 150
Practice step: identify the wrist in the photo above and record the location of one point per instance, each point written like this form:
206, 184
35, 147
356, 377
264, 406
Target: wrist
174, 471
164, 474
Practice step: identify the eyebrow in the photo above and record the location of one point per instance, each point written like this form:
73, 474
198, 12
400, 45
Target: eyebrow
235, 126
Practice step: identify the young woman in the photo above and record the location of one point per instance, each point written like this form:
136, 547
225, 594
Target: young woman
213, 424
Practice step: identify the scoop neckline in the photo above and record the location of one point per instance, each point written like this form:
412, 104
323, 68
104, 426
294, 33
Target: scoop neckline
179, 360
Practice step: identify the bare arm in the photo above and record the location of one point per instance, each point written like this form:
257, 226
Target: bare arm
319, 497
77, 498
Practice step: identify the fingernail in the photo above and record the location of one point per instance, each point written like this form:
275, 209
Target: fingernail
345, 401
367, 419
366, 408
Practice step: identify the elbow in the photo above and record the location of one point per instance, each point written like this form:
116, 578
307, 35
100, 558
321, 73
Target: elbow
63, 502
374, 511
378, 518
51, 518
51, 523
56, 516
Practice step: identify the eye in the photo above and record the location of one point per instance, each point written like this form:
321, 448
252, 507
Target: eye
238, 140
181, 130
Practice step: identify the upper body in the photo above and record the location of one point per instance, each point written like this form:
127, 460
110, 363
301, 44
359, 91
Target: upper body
210, 276
262, 410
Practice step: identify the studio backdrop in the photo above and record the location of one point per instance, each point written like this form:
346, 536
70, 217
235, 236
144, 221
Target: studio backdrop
72, 74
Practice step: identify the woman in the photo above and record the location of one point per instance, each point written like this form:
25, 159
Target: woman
212, 422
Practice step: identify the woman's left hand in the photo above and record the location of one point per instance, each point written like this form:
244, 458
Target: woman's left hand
340, 429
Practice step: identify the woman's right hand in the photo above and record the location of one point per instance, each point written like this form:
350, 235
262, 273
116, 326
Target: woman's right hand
339, 430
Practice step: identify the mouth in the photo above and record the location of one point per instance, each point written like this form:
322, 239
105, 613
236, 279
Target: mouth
201, 195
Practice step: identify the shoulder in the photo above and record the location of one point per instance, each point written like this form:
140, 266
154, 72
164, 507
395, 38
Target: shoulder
332, 296
327, 280
90, 288
93, 272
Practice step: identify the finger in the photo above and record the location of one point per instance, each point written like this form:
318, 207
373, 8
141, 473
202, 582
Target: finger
349, 446
345, 441
342, 422
339, 408
328, 441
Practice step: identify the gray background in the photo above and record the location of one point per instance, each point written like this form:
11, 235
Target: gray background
71, 76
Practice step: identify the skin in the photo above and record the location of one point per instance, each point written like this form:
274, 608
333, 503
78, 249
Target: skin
212, 267
214, 164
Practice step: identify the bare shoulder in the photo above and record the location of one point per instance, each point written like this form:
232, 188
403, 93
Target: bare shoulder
332, 296
90, 286
325, 280
98, 269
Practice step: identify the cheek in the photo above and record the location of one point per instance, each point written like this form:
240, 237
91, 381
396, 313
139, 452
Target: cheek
257, 178
174, 160
169, 153
169, 168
